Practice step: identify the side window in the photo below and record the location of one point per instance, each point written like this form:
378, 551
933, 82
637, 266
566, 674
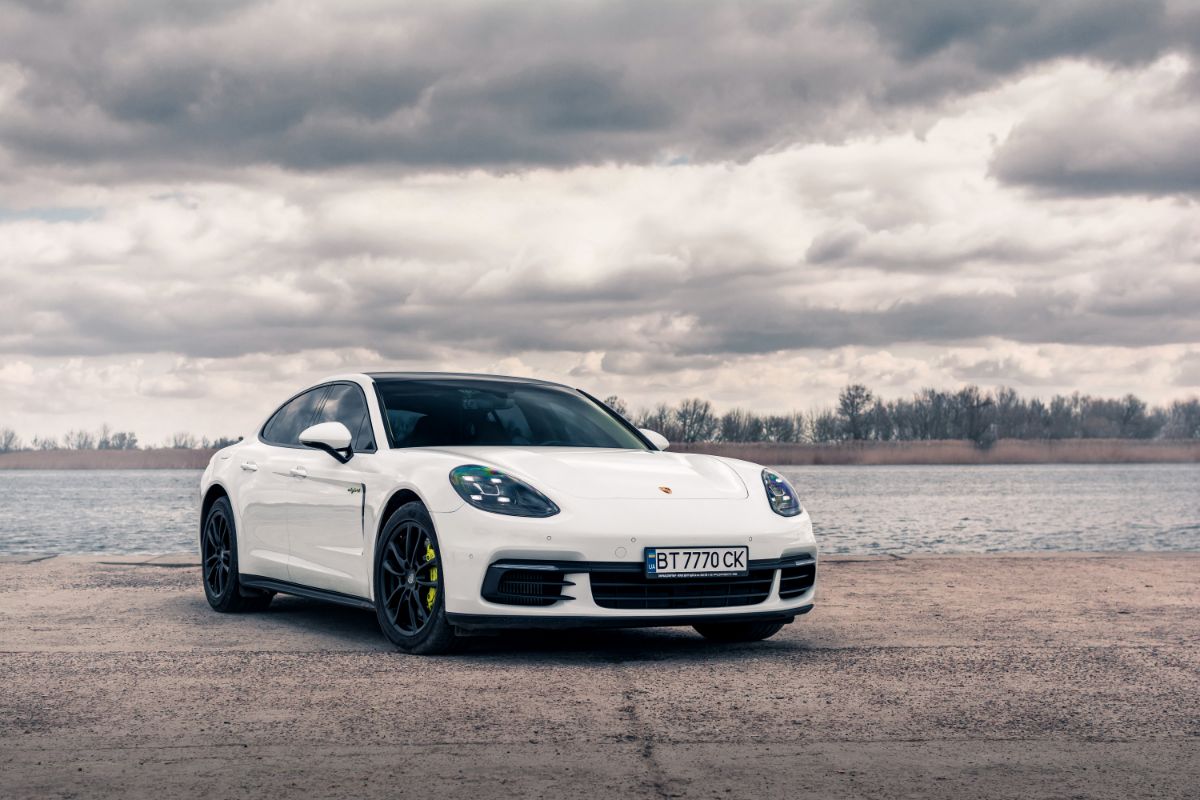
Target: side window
287, 423
402, 424
347, 404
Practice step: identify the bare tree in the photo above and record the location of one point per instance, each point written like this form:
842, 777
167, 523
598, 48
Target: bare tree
1133, 420
617, 405
1012, 413
79, 440
1063, 418
783, 428
975, 415
123, 440
183, 440
9, 441
934, 411
880, 421
1039, 420
1183, 420
854, 405
661, 418
741, 426
696, 420
826, 427
44, 443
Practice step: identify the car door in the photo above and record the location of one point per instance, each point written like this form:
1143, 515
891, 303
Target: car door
326, 520
267, 486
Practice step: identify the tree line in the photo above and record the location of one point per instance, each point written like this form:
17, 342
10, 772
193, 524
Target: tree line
103, 439
971, 413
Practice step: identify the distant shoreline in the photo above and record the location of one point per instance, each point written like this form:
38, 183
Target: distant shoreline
957, 451
1005, 451
151, 458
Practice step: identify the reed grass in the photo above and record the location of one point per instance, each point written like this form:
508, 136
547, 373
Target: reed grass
157, 458
1005, 451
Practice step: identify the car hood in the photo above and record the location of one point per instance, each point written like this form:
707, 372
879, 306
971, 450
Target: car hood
611, 473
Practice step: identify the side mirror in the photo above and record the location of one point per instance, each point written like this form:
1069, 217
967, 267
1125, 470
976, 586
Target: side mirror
332, 437
656, 438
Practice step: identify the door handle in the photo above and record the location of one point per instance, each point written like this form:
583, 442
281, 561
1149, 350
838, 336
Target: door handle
299, 472
249, 466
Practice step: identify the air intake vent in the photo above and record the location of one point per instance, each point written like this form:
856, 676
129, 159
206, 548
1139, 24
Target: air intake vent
635, 590
796, 580
518, 585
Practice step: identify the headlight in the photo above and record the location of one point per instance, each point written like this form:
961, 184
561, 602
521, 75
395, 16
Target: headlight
492, 490
780, 495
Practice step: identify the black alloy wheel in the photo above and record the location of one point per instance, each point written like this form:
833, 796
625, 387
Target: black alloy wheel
219, 564
218, 554
409, 600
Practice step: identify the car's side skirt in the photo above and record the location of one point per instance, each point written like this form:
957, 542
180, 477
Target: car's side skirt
476, 622
287, 587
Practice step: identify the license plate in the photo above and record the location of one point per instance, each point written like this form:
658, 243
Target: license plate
697, 562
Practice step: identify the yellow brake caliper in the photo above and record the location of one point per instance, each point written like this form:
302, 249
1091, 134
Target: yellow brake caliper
430, 595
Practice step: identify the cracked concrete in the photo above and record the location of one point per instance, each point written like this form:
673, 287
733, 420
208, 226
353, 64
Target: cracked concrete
1020, 676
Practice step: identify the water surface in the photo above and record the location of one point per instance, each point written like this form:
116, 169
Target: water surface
1003, 507
898, 509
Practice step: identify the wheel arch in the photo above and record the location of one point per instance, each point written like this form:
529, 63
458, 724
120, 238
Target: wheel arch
397, 499
214, 492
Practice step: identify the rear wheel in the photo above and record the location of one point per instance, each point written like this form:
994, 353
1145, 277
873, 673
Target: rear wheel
739, 631
409, 599
219, 564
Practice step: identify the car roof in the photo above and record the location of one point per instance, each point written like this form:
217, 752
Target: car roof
456, 376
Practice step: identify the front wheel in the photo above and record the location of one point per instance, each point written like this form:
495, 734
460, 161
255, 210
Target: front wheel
409, 599
219, 564
738, 631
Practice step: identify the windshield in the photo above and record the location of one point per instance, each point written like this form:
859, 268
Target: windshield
433, 413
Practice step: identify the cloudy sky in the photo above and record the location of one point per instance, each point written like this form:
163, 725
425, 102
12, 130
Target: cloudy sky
206, 203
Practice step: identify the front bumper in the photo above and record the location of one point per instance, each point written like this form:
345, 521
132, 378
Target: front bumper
609, 538
490, 622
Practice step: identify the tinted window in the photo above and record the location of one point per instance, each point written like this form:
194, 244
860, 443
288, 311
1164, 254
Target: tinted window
347, 404
293, 417
424, 413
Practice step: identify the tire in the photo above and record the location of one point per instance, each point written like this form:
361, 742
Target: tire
732, 632
219, 564
409, 596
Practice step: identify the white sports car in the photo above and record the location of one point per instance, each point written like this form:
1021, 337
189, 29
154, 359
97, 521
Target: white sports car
453, 504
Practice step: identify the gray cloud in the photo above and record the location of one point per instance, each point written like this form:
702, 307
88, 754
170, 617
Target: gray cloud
643, 318
1131, 137
137, 89
1000, 37
1148, 146
1031, 316
727, 199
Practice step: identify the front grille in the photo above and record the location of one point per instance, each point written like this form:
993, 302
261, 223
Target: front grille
796, 580
634, 590
623, 585
514, 586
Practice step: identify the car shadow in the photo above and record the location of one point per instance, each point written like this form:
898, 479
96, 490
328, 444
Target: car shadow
351, 625
619, 646
358, 627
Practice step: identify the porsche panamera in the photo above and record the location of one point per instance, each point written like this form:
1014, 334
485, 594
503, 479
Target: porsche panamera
452, 505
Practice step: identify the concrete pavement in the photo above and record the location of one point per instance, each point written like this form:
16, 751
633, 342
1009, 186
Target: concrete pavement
1021, 676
